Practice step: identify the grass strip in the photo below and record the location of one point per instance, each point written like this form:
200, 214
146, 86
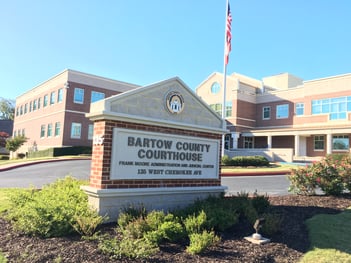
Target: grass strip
330, 238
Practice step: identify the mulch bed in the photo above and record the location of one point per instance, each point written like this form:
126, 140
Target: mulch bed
286, 246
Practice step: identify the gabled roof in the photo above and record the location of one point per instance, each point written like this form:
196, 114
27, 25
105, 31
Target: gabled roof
148, 105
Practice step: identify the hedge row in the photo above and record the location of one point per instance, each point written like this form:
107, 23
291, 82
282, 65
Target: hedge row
61, 151
245, 161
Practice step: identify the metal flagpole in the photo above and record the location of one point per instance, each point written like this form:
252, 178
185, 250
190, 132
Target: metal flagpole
226, 56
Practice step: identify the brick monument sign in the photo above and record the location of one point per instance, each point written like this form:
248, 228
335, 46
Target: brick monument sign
157, 146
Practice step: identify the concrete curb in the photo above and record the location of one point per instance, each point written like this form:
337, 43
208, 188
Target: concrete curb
18, 165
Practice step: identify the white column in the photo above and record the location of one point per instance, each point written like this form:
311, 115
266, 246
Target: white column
269, 141
297, 145
329, 143
235, 137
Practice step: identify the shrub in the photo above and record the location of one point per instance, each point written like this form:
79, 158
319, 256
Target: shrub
220, 212
260, 203
129, 214
199, 242
126, 247
303, 181
53, 211
87, 223
328, 178
272, 224
195, 224
245, 161
226, 160
332, 175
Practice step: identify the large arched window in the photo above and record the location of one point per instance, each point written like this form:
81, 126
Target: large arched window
215, 88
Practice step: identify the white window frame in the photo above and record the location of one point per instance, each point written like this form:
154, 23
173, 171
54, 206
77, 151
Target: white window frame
57, 129
90, 131
280, 108
298, 107
78, 96
76, 130
269, 108
49, 130
320, 139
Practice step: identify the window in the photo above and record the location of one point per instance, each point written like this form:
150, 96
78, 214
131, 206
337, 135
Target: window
34, 105
23, 132
57, 128
45, 103
25, 108
30, 106
49, 131
340, 142
217, 108
52, 97
335, 107
215, 88
17, 111
14, 133
299, 109
96, 96
39, 103
78, 95
282, 111
76, 129
60, 95
90, 131
228, 109
21, 110
266, 113
42, 131
248, 142
319, 142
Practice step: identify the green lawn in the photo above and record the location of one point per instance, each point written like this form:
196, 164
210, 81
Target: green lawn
4, 203
330, 237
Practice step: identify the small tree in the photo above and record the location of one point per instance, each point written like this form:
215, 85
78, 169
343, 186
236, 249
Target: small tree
15, 143
3, 137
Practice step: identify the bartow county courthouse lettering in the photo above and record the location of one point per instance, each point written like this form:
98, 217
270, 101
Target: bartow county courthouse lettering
167, 150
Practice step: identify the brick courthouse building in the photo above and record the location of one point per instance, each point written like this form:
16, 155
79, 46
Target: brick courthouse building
282, 116
52, 114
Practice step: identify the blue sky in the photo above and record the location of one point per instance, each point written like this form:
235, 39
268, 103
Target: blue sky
143, 42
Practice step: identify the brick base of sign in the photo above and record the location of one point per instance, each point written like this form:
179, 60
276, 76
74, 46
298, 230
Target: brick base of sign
112, 201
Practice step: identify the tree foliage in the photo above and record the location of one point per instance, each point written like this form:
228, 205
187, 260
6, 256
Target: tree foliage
7, 109
15, 143
3, 137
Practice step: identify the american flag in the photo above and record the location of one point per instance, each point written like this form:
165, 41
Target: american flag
228, 33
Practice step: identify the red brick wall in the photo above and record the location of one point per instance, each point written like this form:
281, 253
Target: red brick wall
101, 159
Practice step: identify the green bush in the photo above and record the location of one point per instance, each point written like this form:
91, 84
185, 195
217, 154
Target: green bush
272, 223
220, 212
245, 161
332, 175
199, 242
260, 203
226, 160
53, 211
127, 247
140, 233
61, 151
195, 223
